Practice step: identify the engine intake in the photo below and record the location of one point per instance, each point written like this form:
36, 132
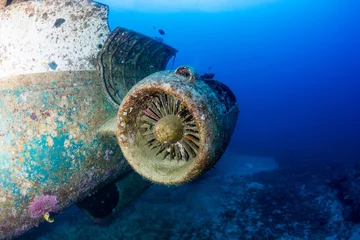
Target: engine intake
172, 126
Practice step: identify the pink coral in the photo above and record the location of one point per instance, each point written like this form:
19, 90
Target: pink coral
42, 204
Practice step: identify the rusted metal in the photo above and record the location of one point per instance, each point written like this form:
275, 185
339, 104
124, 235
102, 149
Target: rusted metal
63, 76
172, 126
57, 141
126, 58
50, 144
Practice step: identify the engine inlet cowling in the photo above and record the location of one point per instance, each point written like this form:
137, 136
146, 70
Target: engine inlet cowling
171, 129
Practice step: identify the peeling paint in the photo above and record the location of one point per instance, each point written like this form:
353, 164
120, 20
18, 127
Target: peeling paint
43, 144
58, 107
52, 107
49, 31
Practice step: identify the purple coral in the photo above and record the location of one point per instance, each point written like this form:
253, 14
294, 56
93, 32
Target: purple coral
42, 204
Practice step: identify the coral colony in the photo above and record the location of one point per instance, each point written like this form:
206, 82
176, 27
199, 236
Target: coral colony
42, 204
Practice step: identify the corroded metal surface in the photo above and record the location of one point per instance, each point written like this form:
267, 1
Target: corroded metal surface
55, 144
59, 122
50, 143
57, 128
173, 126
128, 57
51, 35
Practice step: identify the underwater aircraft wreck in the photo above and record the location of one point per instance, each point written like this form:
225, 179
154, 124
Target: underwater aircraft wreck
83, 108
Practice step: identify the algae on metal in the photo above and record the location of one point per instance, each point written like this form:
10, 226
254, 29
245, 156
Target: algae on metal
126, 58
50, 143
63, 76
55, 136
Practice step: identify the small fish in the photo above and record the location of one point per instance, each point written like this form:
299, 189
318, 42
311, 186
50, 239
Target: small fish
161, 32
209, 67
47, 217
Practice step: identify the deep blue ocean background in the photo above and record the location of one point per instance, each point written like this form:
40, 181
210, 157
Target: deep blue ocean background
293, 65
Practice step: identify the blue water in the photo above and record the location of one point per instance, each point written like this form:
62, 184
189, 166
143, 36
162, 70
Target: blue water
294, 67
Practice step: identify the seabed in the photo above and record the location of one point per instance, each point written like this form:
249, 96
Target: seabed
242, 197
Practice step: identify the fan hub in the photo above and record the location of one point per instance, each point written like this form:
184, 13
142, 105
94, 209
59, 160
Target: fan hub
169, 129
